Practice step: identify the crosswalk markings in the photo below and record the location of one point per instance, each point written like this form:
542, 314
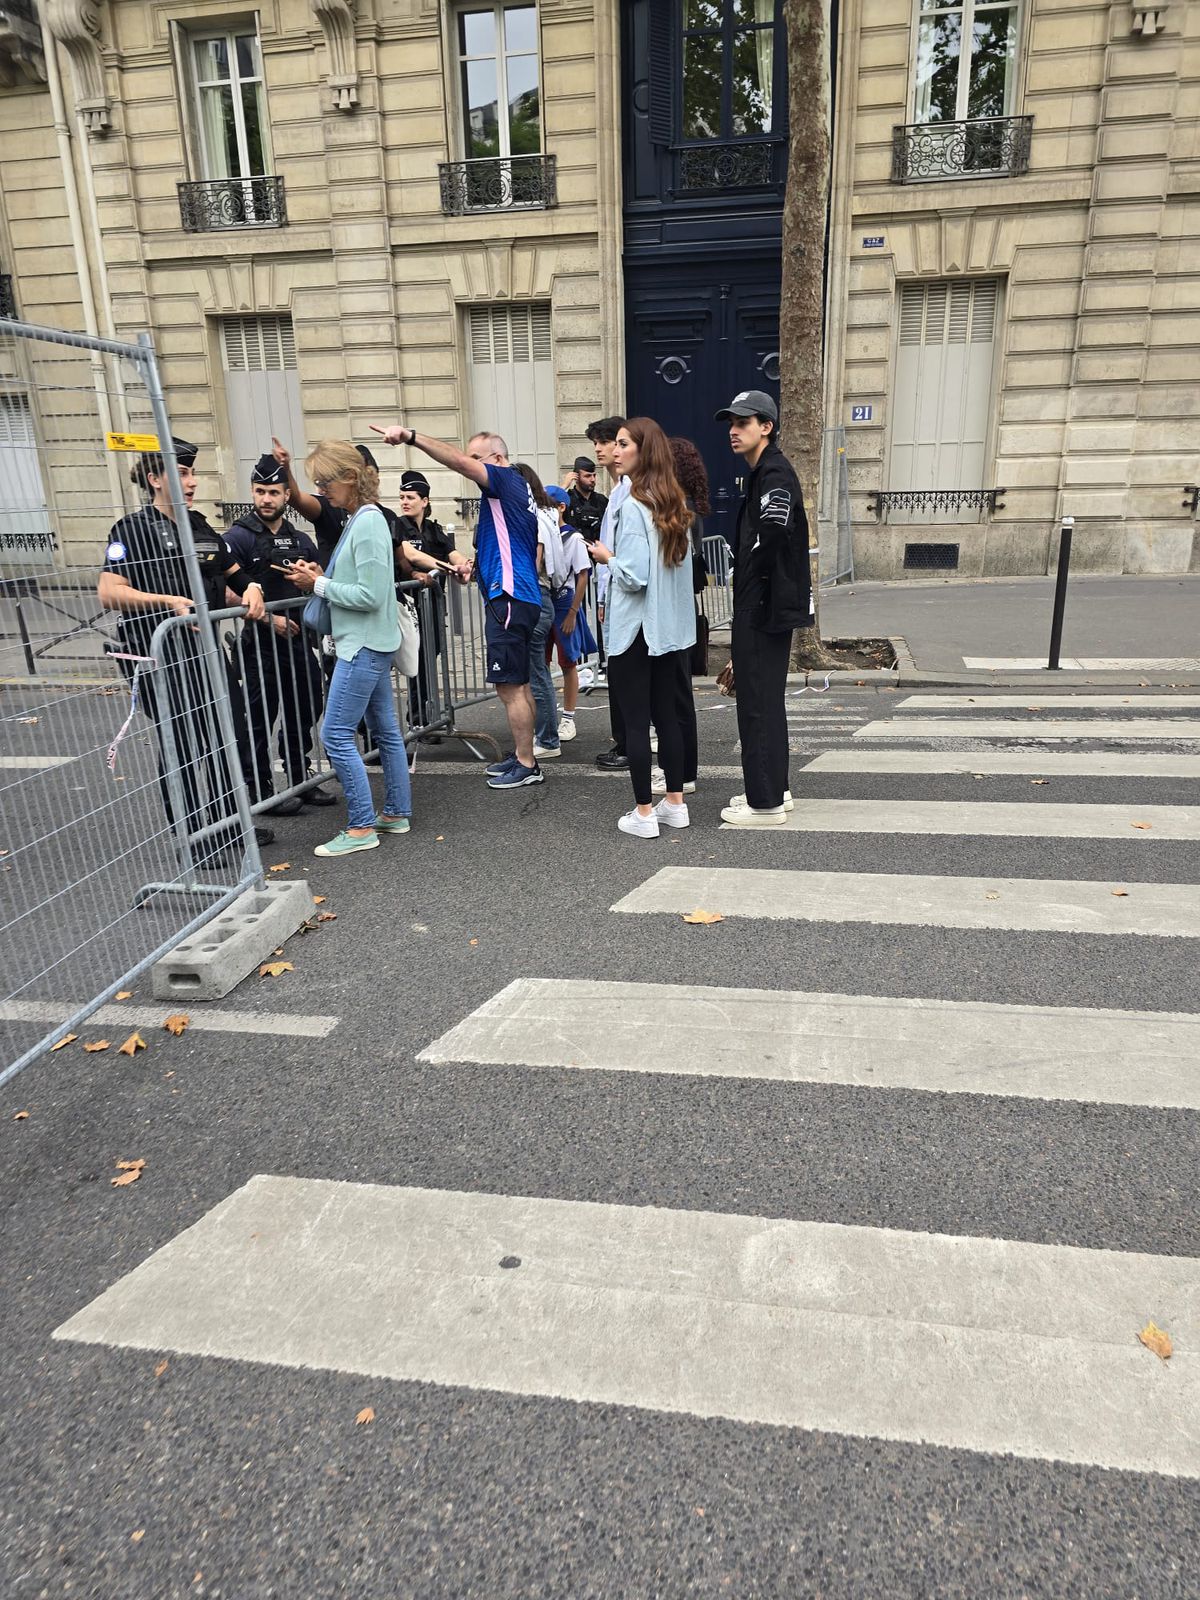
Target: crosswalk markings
201, 1019
1051, 763
1042, 905
1144, 1058
975, 1343
1050, 728
1085, 663
1045, 820
1033, 701
34, 763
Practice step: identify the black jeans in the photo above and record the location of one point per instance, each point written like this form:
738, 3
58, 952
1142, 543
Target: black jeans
279, 678
760, 664
646, 687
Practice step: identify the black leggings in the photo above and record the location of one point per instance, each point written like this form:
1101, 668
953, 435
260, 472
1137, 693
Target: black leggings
647, 687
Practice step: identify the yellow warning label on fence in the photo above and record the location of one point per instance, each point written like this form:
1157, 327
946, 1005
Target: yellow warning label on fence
132, 441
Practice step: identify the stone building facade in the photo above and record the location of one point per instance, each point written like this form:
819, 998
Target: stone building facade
335, 212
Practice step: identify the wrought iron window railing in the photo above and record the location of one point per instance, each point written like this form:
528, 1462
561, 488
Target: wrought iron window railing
727, 166
8, 300
985, 147
217, 203
498, 183
934, 502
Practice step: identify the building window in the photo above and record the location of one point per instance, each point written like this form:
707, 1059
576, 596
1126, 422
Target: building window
499, 76
511, 366
234, 135
966, 60
727, 87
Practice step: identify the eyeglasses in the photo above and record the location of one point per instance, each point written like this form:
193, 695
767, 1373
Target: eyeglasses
323, 483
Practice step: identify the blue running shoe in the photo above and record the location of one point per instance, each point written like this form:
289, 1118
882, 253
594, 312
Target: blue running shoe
494, 769
516, 777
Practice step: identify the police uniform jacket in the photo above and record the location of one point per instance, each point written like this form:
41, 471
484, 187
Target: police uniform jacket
771, 582
146, 550
258, 549
586, 512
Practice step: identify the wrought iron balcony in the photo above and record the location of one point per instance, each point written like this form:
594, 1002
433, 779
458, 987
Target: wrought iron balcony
726, 166
934, 502
985, 147
498, 183
219, 203
8, 300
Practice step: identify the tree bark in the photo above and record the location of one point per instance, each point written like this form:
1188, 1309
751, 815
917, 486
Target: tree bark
802, 299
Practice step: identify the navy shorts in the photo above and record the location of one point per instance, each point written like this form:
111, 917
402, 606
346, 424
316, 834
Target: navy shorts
508, 632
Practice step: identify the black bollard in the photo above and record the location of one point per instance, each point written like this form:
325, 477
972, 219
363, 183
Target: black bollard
1060, 590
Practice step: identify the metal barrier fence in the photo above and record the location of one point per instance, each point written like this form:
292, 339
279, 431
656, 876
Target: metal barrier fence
122, 834
716, 599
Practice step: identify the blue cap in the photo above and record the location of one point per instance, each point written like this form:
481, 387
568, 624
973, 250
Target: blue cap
560, 497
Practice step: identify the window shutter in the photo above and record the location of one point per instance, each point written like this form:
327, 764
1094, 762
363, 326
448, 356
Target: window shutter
983, 312
540, 318
912, 312
259, 344
960, 313
662, 73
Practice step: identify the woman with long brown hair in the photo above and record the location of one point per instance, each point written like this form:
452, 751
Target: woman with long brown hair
651, 620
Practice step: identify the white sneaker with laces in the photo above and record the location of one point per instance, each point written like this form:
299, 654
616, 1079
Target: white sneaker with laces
658, 782
740, 802
748, 817
566, 725
674, 816
542, 753
641, 827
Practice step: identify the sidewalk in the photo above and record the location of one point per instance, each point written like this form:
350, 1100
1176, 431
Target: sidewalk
1122, 629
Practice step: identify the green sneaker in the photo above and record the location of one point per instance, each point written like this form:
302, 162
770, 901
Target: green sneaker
345, 844
400, 825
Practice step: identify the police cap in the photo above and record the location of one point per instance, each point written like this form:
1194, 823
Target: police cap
267, 470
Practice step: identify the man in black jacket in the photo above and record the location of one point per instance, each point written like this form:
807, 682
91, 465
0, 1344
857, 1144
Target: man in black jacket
772, 596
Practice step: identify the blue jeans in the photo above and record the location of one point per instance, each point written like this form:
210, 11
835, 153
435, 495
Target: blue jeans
363, 688
544, 698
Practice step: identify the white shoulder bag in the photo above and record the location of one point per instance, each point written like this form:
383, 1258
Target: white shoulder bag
409, 654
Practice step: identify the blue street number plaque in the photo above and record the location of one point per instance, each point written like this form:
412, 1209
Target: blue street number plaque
861, 413
873, 241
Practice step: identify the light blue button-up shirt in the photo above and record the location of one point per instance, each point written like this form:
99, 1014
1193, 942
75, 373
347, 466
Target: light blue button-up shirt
644, 593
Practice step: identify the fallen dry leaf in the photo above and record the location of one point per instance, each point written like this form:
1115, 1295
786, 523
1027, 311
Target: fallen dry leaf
138, 1535
131, 1166
319, 899
125, 1179
177, 1023
275, 969
161, 1368
1145, 826
327, 916
97, 1044
28, 722
66, 1039
132, 1045
1039, 780
122, 994
472, 941
992, 894
365, 1415
280, 866
1121, 894
439, 838
21, 1116
1158, 1340
703, 917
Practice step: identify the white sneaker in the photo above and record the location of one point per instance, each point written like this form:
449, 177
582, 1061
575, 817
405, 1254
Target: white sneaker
566, 725
541, 753
653, 743
674, 816
748, 817
586, 677
641, 827
658, 782
742, 804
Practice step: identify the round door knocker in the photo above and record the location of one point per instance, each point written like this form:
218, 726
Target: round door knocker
673, 369
769, 366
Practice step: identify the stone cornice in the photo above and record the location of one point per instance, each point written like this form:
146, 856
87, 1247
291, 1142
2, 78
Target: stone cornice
76, 26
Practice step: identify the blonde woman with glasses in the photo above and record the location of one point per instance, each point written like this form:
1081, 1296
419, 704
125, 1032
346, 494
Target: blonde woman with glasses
359, 589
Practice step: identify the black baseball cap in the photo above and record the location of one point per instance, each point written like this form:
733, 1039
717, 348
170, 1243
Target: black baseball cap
584, 464
750, 403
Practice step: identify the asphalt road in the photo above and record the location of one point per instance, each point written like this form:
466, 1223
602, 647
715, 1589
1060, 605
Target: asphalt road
238, 1478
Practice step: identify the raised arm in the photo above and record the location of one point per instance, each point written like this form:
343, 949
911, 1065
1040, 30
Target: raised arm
306, 504
446, 455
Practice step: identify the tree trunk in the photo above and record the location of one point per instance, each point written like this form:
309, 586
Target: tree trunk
802, 301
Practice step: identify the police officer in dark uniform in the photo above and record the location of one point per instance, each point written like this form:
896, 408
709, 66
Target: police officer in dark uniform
145, 578
275, 661
586, 507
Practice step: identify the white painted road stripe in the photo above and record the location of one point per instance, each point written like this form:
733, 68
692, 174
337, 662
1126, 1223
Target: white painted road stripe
915, 728
999, 819
1085, 663
1137, 1058
35, 763
1033, 701
281, 1024
1054, 763
1044, 905
979, 1344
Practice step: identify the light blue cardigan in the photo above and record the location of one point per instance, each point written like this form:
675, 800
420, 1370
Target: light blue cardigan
643, 592
362, 591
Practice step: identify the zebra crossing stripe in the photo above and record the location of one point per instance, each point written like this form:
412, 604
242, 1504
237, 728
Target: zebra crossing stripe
973, 1343
914, 728
1051, 763
1033, 701
986, 818
1042, 905
1145, 1058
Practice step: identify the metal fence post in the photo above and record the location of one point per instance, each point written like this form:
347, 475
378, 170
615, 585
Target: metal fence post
1060, 590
